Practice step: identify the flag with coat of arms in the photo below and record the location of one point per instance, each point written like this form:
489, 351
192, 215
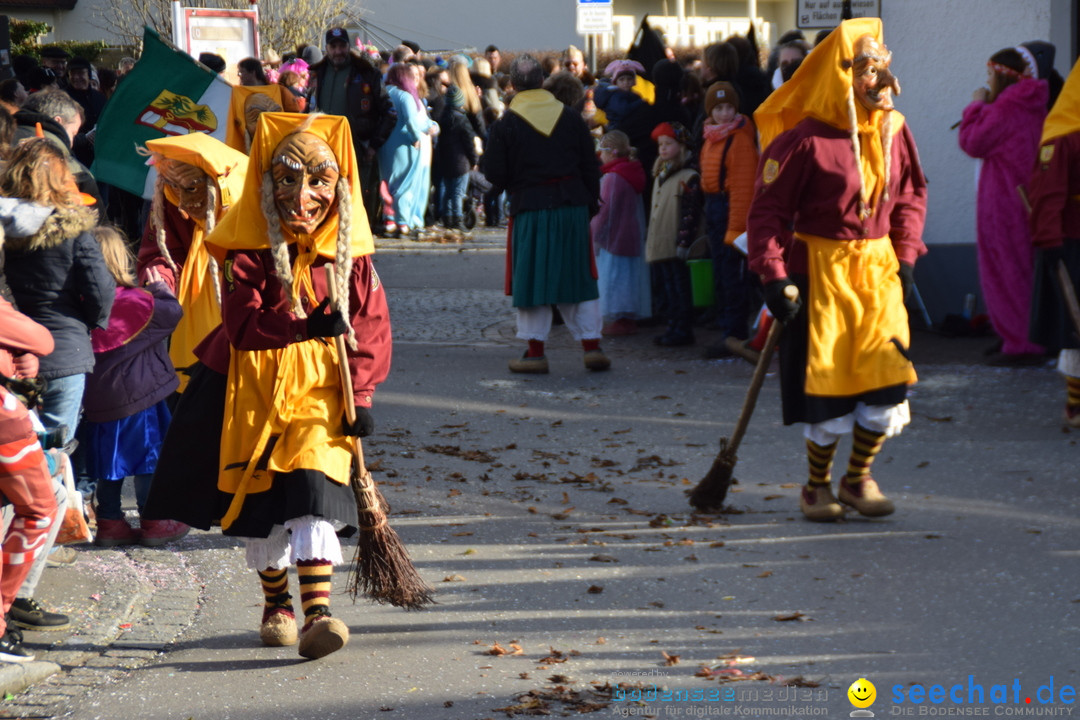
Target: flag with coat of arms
167, 93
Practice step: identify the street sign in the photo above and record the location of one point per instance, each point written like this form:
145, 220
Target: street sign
827, 13
594, 17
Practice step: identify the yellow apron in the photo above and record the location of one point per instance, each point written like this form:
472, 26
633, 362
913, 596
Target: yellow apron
195, 293
856, 311
291, 397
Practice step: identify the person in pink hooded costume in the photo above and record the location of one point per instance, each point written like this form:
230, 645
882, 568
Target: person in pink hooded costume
1002, 127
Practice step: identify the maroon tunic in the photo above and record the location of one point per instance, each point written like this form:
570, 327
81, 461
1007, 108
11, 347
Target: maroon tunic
1054, 192
814, 189
256, 316
817, 188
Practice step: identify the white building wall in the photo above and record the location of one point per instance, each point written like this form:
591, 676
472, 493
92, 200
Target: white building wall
940, 59
67, 24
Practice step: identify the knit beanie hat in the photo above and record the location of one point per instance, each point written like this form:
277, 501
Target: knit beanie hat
674, 130
455, 97
721, 93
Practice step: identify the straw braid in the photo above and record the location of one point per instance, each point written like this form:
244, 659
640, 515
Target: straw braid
279, 249
343, 256
853, 119
886, 149
211, 220
157, 212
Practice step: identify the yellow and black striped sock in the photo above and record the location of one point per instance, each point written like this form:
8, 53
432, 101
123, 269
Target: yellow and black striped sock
865, 445
275, 587
316, 577
820, 459
1072, 392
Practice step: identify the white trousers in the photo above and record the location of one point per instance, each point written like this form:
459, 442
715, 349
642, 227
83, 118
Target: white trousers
303, 538
1069, 362
583, 320
888, 419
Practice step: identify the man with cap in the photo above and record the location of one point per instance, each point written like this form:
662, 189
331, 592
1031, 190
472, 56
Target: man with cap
347, 83
838, 214
56, 59
92, 102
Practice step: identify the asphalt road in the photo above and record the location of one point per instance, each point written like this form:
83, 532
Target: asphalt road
549, 514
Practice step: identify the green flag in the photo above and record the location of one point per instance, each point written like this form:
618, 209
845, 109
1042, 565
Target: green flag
166, 93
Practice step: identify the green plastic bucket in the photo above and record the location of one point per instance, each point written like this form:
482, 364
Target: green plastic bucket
701, 282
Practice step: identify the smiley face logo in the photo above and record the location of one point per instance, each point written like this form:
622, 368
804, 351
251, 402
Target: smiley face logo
862, 693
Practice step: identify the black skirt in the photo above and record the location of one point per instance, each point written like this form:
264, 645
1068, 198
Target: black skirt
185, 483
1051, 325
797, 405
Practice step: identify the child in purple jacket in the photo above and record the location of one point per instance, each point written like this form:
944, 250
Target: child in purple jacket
124, 407
618, 235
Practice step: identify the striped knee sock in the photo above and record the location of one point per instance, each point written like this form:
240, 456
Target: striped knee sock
865, 445
1072, 392
316, 577
275, 587
820, 459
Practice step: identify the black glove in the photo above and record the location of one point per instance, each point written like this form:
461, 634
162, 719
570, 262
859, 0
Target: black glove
364, 424
907, 278
782, 307
322, 324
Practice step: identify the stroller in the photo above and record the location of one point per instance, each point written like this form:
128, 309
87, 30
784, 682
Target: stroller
472, 207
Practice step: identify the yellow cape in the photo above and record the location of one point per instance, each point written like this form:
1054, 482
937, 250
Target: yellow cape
1064, 117
236, 129
539, 108
244, 226
820, 87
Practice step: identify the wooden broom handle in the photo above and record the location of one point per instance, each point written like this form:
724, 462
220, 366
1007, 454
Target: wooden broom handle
343, 359
760, 370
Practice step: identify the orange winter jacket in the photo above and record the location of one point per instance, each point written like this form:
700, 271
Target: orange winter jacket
741, 163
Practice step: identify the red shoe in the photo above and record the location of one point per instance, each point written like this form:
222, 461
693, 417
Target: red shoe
113, 533
159, 532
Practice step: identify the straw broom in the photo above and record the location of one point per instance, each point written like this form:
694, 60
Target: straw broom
381, 569
712, 490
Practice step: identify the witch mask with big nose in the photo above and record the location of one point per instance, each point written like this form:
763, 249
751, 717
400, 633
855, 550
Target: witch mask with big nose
872, 81
305, 174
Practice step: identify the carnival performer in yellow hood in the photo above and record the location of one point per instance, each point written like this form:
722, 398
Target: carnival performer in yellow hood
198, 178
1054, 192
245, 106
839, 165
282, 477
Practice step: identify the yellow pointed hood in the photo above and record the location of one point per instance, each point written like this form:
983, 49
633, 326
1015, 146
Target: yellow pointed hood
225, 166
820, 87
1064, 117
244, 227
236, 130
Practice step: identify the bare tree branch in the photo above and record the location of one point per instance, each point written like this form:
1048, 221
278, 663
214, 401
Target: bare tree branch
283, 24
